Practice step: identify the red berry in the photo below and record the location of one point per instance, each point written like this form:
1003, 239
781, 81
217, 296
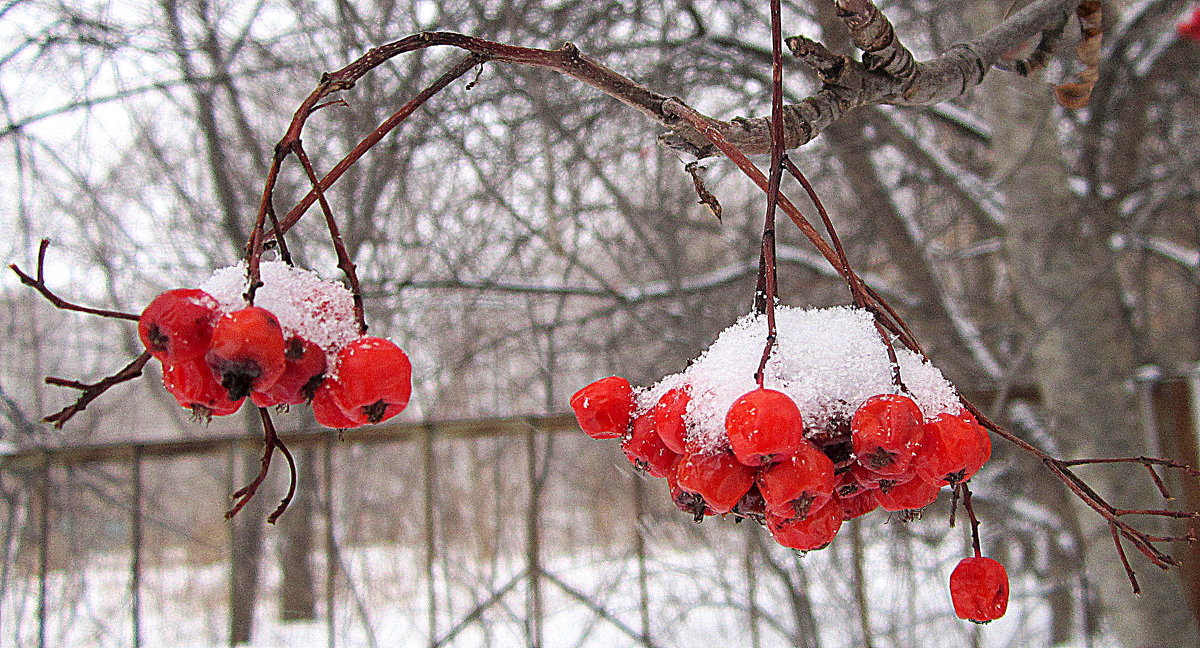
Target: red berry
846, 484
604, 408
886, 431
763, 424
870, 479
1190, 30
752, 505
857, 505
646, 450
374, 380
669, 421
719, 478
808, 533
326, 410
195, 387
954, 449
247, 351
691, 503
801, 482
303, 369
178, 324
913, 494
979, 589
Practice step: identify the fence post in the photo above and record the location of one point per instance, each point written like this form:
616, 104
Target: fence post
43, 548
533, 611
330, 557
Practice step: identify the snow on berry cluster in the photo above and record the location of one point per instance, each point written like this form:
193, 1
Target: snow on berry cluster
826, 438
299, 343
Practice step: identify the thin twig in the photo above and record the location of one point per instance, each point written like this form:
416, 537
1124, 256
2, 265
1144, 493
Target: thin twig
970, 509
92, 391
244, 494
38, 283
287, 499
1124, 559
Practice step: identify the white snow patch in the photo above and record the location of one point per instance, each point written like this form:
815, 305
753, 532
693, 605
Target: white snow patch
828, 360
320, 311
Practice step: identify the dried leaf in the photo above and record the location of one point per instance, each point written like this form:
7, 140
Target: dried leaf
1076, 95
706, 198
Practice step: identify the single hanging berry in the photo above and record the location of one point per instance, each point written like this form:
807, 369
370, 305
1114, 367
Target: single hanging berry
979, 589
326, 410
374, 380
178, 324
763, 424
669, 418
886, 431
195, 387
808, 533
720, 478
247, 351
646, 450
954, 449
303, 370
604, 408
801, 482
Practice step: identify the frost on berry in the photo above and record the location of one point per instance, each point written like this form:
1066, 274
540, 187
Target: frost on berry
604, 408
374, 380
886, 431
247, 351
646, 450
763, 424
979, 589
670, 422
178, 324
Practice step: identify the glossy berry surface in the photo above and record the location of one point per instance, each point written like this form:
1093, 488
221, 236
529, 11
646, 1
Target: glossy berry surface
720, 478
857, 505
762, 425
178, 324
374, 380
247, 351
800, 482
954, 449
604, 409
808, 533
669, 420
886, 431
687, 501
979, 589
913, 494
326, 410
646, 450
195, 387
303, 369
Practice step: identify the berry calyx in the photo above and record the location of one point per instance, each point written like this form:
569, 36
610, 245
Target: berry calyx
954, 449
374, 380
720, 478
763, 424
247, 351
303, 369
801, 482
178, 324
646, 450
195, 387
669, 420
979, 589
886, 431
604, 408
913, 494
807, 533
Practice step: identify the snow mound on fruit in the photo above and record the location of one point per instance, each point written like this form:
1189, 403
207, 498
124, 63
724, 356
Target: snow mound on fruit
320, 311
829, 360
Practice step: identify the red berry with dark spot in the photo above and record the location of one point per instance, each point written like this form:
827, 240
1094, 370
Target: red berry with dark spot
326, 410
886, 431
691, 503
303, 369
954, 449
913, 494
669, 421
762, 425
800, 482
979, 589
604, 408
374, 380
720, 478
247, 351
857, 505
807, 533
195, 387
178, 324
646, 450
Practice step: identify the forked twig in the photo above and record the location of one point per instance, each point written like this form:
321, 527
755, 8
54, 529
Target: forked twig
92, 391
38, 283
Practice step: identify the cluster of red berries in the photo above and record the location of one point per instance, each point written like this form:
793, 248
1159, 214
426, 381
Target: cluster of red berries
801, 485
213, 360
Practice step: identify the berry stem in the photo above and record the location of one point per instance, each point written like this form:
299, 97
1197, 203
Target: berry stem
287, 454
767, 265
244, 494
38, 283
970, 509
